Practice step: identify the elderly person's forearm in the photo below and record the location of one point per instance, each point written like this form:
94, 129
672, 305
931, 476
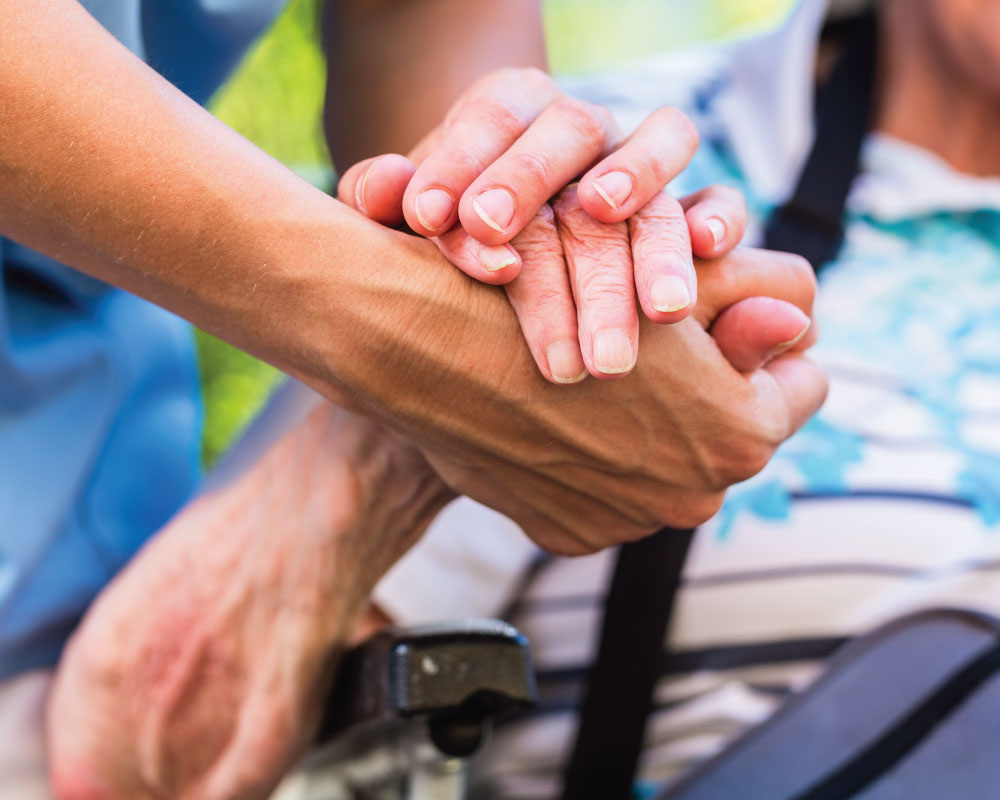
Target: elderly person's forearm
202, 669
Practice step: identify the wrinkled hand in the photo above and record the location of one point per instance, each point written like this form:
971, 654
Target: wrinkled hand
510, 143
575, 293
601, 462
569, 256
200, 671
581, 319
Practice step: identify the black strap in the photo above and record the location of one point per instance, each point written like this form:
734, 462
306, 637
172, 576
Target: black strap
619, 692
811, 222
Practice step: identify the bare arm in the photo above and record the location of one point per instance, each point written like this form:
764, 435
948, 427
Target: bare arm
396, 66
110, 169
107, 167
201, 671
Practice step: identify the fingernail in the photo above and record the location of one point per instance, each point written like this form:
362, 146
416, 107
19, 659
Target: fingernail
670, 293
565, 362
613, 351
359, 190
614, 187
494, 258
783, 347
495, 207
717, 228
433, 207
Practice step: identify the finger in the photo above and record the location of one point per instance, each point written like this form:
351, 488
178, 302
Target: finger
600, 271
487, 121
568, 136
747, 272
792, 389
543, 300
654, 155
716, 218
759, 329
426, 146
485, 263
375, 187
661, 251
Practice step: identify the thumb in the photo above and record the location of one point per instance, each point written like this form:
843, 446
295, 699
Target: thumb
375, 187
753, 331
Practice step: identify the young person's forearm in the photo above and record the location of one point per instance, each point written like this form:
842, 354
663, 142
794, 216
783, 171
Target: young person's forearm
396, 66
108, 168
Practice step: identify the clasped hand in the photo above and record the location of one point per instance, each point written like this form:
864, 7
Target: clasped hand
199, 672
489, 188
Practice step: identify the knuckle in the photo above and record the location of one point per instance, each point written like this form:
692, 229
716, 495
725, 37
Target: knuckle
495, 80
535, 78
731, 195
543, 299
600, 287
742, 458
662, 210
661, 238
539, 234
683, 130
803, 272
586, 119
566, 203
545, 216
542, 250
493, 113
799, 264
692, 511
601, 250
662, 246
533, 168
727, 198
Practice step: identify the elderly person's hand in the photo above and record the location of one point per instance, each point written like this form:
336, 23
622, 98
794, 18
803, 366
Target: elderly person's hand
200, 671
513, 139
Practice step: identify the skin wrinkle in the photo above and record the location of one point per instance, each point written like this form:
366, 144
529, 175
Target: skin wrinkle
357, 312
290, 607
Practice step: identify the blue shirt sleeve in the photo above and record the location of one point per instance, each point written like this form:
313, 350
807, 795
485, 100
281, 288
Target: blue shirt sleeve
100, 407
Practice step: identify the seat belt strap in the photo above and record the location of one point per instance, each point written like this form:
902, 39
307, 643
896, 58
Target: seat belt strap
811, 223
619, 692
619, 689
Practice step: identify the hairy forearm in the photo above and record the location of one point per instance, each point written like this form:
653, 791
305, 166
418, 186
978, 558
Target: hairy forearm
396, 66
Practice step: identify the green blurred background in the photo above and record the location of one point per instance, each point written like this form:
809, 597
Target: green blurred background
275, 100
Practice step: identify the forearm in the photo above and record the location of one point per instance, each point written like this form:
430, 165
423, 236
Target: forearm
202, 670
396, 66
108, 168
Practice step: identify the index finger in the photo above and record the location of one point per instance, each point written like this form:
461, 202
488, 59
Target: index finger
625, 181
490, 118
565, 140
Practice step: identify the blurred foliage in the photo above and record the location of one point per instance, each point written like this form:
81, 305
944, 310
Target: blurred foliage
275, 99
589, 35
